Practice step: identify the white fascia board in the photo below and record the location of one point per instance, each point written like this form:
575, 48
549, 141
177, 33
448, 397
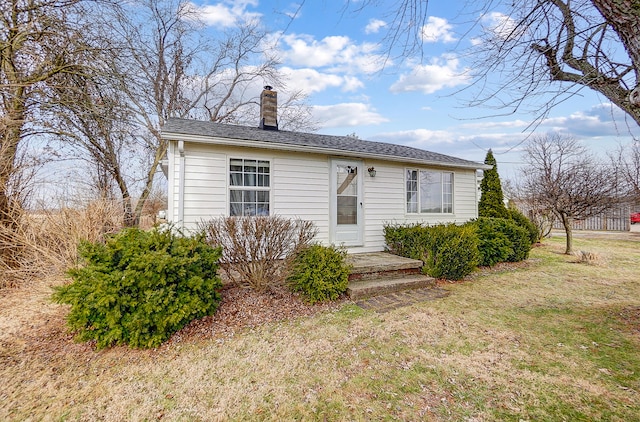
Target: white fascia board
245, 143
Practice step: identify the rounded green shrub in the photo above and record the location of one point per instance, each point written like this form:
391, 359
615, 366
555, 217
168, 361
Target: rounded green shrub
494, 245
453, 251
410, 241
521, 220
320, 272
501, 240
519, 237
140, 287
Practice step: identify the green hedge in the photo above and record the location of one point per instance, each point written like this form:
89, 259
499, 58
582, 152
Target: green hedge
501, 240
494, 245
140, 287
521, 220
320, 272
448, 251
410, 241
453, 251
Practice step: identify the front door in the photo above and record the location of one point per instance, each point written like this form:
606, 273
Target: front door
346, 202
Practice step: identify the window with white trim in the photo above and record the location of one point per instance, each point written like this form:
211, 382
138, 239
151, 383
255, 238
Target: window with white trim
249, 187
429, 191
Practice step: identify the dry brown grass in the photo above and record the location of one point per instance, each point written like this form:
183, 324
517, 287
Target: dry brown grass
546, 340
46, 241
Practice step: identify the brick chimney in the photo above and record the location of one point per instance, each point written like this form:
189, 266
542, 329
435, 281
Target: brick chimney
269, 109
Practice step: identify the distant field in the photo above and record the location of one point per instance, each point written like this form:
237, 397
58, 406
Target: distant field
552, 339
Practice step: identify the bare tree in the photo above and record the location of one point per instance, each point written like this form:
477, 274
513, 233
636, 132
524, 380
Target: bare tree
39, 41
95, 120
547, 51
627, 162
552, 48
562, 178
167, 69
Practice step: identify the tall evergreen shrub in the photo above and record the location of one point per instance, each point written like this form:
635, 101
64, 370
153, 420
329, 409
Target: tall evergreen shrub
491, 199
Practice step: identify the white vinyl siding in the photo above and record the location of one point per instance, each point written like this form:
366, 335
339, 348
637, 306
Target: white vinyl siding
299, 188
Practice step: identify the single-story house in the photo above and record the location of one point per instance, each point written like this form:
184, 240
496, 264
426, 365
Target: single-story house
348, 187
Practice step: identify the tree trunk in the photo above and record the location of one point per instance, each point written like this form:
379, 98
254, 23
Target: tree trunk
11, 135
159, 155
567, 222
624, 17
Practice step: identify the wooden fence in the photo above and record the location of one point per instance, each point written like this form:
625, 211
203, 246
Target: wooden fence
616, 219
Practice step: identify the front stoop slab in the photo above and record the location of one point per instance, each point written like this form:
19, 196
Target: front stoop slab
381, 262
382, 286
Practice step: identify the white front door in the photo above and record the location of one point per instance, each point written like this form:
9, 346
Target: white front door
346, 202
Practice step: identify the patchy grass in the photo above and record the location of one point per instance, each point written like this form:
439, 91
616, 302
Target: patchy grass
553, 339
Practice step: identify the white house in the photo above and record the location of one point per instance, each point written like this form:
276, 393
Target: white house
348, 187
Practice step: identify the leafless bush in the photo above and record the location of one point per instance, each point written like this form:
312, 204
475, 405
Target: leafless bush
543, 220
258, 251
45, 241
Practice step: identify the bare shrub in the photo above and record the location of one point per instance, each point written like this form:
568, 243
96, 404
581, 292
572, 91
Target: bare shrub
258, 251
543, 220
45, 241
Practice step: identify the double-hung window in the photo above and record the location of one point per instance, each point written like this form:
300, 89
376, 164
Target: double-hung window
429, 191
249, 187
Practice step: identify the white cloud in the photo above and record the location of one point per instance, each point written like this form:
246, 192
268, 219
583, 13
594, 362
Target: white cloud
442, 72
374, 26
498, 25
336, 53
226, 13
518, 124
295, 11
600, 120
351, 84
419, 138
437, 30
347, 115
311, 81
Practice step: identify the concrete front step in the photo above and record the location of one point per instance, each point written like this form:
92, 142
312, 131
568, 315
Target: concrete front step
367, 266
367, 288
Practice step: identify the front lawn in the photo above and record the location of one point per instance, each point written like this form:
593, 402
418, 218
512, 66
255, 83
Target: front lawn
551, 339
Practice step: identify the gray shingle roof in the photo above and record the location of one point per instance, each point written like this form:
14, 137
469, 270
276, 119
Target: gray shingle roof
348, 145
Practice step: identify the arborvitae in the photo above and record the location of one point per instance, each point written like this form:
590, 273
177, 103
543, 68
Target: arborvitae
491, 200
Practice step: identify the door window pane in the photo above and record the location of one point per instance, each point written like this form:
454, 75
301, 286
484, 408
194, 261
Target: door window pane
347, 194
347, 210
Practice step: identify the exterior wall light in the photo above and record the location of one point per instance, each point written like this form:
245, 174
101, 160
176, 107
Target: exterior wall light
372, 171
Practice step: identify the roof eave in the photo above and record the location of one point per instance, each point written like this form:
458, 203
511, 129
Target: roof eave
218, 140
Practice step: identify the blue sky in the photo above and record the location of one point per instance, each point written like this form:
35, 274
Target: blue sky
336, 57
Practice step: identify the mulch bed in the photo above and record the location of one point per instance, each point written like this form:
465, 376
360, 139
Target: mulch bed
242, 308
